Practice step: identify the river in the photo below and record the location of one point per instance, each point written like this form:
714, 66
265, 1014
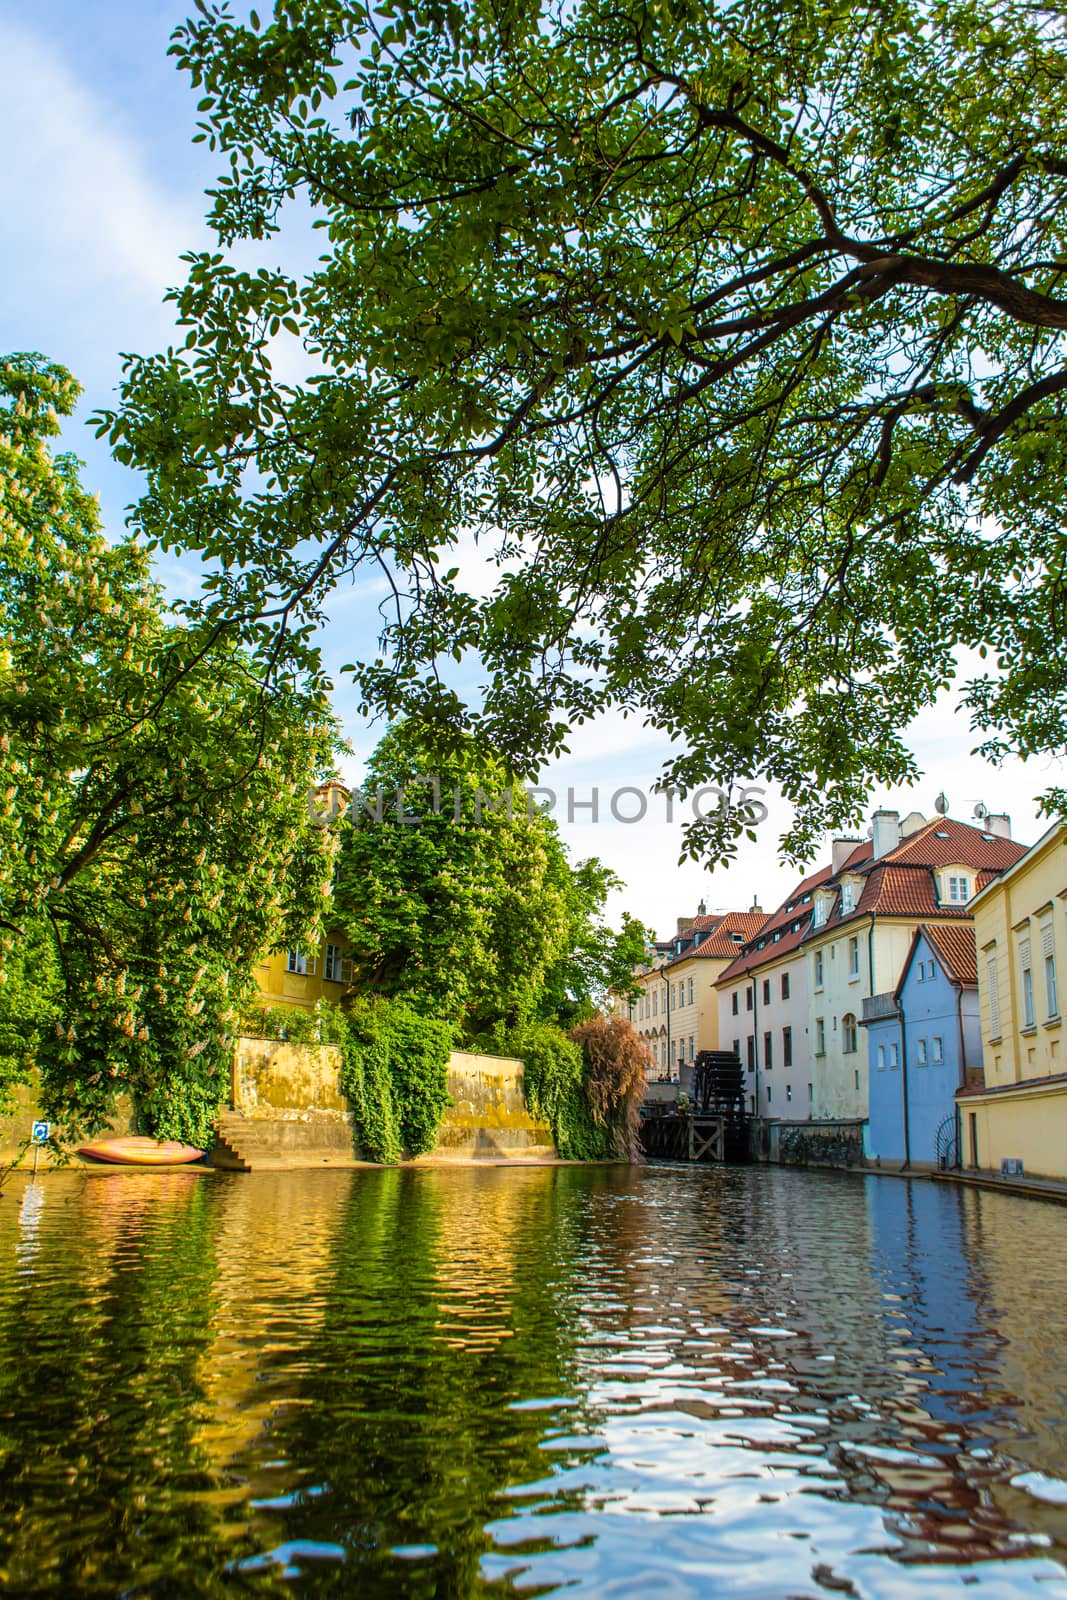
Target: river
658, 1381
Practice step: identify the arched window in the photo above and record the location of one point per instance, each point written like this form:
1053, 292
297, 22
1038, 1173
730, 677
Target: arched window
848, 1034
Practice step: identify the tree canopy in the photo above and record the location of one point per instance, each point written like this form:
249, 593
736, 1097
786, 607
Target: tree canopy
155, 833
460, 899
735, 331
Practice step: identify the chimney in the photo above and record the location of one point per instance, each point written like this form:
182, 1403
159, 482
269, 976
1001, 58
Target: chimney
885, 833
998, 824
702, 909
684, 924
843, 848
756, 905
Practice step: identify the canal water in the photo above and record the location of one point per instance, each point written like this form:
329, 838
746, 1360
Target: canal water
658, 1382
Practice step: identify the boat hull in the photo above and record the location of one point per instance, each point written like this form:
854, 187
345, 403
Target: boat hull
139, 1152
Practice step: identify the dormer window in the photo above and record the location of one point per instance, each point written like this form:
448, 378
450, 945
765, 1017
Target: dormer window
848, 896
958, 887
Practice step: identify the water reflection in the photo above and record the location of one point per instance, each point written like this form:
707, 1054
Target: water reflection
459, 1383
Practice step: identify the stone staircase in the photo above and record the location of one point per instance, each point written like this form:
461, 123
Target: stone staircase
278, 1144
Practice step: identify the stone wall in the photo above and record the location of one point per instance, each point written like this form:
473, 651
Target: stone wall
278, 1079
488, 1118
291, 1094
809, 1144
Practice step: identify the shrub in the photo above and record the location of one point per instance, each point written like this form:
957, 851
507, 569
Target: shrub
614, 1078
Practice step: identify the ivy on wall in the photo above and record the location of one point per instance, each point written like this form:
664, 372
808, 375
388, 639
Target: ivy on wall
394, 1067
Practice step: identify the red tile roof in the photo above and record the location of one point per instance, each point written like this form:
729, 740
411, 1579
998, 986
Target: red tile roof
899, 884
902, 884
790, 922
943, 843
955, 949
720, 942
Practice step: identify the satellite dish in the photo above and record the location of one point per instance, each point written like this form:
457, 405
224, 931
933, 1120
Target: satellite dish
941, 804
981, 811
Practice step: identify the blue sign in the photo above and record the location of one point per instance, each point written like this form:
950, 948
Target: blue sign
41, 1131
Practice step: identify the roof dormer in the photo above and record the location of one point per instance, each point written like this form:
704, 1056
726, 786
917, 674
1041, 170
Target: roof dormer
824, 899
955, 885
851, 889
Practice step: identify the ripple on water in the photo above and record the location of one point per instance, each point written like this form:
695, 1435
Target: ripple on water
664, 1381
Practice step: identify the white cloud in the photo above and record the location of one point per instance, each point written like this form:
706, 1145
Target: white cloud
88, 213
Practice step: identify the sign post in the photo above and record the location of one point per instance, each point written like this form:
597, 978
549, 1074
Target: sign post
39, 1135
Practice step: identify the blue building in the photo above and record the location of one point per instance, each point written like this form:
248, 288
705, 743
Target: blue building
923, 1043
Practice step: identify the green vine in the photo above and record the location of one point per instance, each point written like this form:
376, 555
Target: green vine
395, 1073
554, 1086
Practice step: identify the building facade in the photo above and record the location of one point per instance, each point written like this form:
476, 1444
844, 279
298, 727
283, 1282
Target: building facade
863, 923
303, 977
763, 1009
676, 1013
1020, 922
923, 1044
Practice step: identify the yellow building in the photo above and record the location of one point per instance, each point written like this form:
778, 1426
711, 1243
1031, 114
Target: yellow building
1020, 925
303, 977
676, 1013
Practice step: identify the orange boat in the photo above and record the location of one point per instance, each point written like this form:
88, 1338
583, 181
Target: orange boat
139, 1152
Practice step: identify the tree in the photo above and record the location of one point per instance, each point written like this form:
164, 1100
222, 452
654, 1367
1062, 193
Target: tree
737, 330
155, 832
457, 896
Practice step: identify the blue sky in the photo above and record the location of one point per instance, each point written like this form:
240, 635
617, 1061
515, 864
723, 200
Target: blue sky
101, 191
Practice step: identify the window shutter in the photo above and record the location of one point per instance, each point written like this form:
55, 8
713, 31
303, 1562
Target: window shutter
312, 966
1047, 946
993, 989
346, 970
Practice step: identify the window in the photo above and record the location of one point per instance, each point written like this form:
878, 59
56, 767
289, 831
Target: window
857, 1078
1048, 965
992, 982
820, 1036
937, 1050
692, 1048
768, 1051
655, 1002
881, 1058
752, 1052
734, 1001
853, 958
335, 969
920, 1053
787, 1047
748, 998
298, 962
766, 991
819, 914
789, 1091
768, 1094
737, 1048
785, 986
690, 991
1028, 983
848, 1034
959, 890
818, 969
811, 1095
894, 1055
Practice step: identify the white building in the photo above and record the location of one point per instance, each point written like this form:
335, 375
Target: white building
763, 1009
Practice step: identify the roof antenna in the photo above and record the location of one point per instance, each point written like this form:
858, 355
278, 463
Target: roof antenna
941, 804
981, 811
